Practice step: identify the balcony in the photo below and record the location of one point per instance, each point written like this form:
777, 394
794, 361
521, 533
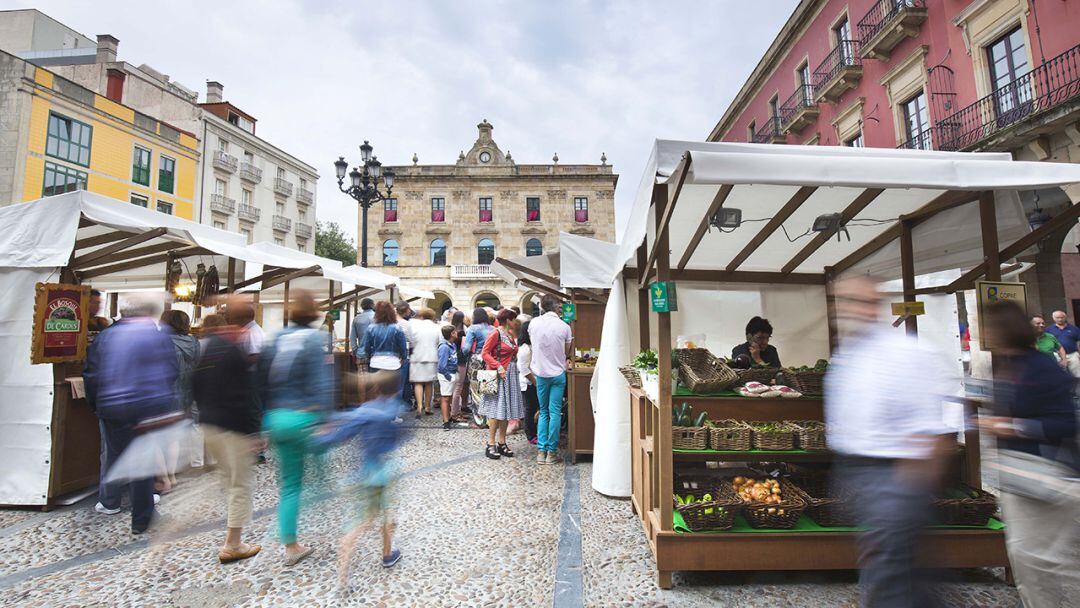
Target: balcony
222, 204
464, 272
840, 71
769, 133
282, 186
304, 196
799, 110
250, 173
886, 25
303, 231
922, 141
1050, 92
282, 223
225, 162
248, 212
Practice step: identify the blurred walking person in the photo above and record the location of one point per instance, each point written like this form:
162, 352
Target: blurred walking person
883, 411
177, 325
240, 312
500, 354
230, 419
360, 323
404, 315
424, 359
384, 342
130, 377
448, 373
296, 383
551, 341
1036, 430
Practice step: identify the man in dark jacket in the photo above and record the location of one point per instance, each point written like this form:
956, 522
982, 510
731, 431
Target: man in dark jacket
130, 377
230, 416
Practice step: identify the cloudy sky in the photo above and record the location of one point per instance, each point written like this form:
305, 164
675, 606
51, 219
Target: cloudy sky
574, 77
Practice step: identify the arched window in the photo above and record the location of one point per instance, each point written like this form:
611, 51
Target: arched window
485, 251
389, 252
534, 247
486, 298
438, 252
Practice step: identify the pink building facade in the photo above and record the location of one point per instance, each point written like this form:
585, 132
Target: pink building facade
1000, 75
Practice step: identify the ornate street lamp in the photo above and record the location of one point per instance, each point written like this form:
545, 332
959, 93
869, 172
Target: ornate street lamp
364, 187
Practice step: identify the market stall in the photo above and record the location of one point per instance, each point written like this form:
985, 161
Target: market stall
717, 220
53, 251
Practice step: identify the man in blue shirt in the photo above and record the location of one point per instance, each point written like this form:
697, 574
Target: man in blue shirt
359, 325
1068, 335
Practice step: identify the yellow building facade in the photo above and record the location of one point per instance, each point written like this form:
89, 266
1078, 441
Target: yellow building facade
77, 139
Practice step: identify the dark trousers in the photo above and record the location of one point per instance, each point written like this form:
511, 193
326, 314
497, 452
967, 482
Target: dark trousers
406, 386
117, 436
895, 514
532, 405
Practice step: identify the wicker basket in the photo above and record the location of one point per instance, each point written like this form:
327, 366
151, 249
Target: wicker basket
633, 378
716, 514
689, 438
774, 440
701, 372
824, 508
810, 434
784, 515
730, 435
807, 383
973, 508
764, 375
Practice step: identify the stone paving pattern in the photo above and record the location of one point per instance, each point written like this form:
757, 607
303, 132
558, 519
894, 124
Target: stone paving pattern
473, 532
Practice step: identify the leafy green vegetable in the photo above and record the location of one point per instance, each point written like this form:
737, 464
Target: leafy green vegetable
768, 427
646, 359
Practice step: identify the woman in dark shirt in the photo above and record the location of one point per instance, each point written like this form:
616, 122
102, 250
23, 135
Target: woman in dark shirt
756, 351
1035, 413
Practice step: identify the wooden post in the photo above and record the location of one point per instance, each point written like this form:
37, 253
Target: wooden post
114, 305
830, 310
663, 354
907, 273
643, 301
230, 278
988, 225
285, 307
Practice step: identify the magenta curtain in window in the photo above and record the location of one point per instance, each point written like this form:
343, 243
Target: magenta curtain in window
390, 215
532, 215
581, 215
438, 215
485, 215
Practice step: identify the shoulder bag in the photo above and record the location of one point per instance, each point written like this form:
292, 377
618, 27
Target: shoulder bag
488, 379
1035, 477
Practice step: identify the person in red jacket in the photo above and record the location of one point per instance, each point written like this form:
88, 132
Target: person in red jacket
500, 354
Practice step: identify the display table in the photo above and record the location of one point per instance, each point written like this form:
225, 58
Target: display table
808, 547
579, 424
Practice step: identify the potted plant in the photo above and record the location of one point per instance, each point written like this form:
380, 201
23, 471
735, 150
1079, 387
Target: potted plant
646, 363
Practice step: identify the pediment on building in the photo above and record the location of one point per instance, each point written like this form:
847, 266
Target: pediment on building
390, 231
537, 230
438, 229
484, 151
582, 230
485, 230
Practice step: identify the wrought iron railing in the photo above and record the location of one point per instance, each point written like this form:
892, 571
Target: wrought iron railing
802, 98
225, 161
768, 131
222, 204
305, 196
844, 55
1044, 88
249, 172
922, 141
280, 222
282, 186
250, 213
303, 230
881, 14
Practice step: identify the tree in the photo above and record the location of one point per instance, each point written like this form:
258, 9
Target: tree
331, 242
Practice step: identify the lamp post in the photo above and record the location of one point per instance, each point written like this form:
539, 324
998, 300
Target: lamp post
364, 187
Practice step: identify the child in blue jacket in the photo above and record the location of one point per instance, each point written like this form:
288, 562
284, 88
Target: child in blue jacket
378, 436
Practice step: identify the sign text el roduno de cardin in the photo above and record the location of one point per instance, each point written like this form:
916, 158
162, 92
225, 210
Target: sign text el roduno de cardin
61, 317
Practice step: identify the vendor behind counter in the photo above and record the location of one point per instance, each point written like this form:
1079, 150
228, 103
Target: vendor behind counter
756, 351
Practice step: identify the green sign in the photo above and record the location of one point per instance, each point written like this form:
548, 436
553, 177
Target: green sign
335, 314
569, 311
663, 296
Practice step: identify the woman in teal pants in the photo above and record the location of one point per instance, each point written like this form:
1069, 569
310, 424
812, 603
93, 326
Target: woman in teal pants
297, 388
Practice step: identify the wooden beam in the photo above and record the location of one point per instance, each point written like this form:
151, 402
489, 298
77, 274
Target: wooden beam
544, 289
663, 353
101, 239
265, 276
351, 296
643, 302
135, 239
830, 310
853, 209
663, 212
988, 226
230, 276
284, 304
703, 227
529, 271
740, 276
781, 216
131, 254
84, 222
139, 263
296, 274
907, 273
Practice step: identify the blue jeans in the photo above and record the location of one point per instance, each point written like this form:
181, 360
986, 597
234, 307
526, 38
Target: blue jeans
549, 392
406, 386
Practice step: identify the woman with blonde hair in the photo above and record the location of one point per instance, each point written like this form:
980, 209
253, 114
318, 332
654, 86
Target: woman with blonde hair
424, 360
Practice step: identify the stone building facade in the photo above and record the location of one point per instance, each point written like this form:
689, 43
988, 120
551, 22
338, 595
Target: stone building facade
445, 223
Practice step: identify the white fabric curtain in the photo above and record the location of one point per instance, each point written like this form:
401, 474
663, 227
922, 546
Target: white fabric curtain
610, 399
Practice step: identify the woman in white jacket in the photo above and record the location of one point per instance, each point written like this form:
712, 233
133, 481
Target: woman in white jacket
424, 361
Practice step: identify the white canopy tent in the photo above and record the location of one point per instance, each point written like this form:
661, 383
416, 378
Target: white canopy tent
115, 247
774, 265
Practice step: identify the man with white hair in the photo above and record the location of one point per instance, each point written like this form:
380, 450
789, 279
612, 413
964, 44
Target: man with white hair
130, 376
1067, 335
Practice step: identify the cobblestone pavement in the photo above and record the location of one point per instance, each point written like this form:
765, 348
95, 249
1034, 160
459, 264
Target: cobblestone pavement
473, 533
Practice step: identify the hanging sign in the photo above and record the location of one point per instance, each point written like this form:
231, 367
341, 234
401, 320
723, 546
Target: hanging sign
61, 315
663, 296
569, 311
908, 309
988, 292
335, 314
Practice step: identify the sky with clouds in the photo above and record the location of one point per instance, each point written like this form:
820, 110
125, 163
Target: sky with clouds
575, 77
